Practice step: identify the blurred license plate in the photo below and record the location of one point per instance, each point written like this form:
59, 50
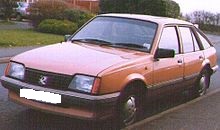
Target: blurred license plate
40, 96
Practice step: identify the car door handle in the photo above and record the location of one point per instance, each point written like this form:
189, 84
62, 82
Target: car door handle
201, 58
180, 61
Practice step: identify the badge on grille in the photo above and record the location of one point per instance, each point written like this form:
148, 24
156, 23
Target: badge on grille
43, 80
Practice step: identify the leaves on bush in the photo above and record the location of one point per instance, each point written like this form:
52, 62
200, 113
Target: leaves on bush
166, 8
57, 26
47, 9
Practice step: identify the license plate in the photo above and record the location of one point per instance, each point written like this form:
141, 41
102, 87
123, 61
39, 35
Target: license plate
40, 96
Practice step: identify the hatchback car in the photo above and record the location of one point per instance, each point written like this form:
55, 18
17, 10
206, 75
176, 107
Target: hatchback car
112, 66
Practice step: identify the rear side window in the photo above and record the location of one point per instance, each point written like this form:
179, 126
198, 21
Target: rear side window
196, 44
169, 39
205, 43
187, 39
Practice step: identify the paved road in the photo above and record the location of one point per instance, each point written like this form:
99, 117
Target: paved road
7, 52
13, 116
17, 25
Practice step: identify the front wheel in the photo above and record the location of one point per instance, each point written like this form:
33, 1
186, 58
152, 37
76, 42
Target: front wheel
130, 108
203, 82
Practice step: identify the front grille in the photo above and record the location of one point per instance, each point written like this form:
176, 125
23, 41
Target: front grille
53, 80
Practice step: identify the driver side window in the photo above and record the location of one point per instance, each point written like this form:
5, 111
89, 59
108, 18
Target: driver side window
169, 39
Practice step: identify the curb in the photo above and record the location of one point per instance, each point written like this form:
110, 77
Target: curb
144, 122
4, 60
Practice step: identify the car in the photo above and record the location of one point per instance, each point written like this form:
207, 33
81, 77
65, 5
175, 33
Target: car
112, 67
21, 11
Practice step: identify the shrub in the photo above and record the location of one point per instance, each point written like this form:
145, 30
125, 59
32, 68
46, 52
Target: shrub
77, 16
6, 8
47, 9
57, 26
209, 28
166, 8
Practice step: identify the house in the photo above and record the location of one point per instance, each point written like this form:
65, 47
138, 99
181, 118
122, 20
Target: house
90, 5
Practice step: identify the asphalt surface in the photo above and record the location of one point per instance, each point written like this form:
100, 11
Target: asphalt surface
199, 114
194, 114
12, 51
16, 25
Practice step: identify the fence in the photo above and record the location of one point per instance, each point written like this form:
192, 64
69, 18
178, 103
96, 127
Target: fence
90, 5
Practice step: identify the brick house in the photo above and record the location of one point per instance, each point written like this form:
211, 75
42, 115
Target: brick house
90, 5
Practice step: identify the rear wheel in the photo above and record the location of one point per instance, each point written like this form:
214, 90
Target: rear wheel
203, 82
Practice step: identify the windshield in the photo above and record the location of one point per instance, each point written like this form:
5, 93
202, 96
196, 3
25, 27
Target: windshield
118, 32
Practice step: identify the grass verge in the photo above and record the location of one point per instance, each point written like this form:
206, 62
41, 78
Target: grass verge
10, 38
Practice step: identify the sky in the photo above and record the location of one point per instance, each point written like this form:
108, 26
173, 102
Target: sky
188, 6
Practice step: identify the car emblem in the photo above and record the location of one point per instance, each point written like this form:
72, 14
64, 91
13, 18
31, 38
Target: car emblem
43, 80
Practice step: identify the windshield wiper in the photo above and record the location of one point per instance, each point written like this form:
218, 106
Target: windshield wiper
106, 43
90, 40
132, 45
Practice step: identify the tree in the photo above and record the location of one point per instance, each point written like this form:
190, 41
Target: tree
207, 21
217, 18
7, 8
166, 8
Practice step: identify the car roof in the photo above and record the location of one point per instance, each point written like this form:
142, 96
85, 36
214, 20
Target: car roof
156, 19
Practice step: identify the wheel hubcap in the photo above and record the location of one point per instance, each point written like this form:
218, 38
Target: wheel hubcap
129, 110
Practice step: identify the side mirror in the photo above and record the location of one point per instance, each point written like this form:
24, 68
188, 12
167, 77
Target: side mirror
164, 53
66, 37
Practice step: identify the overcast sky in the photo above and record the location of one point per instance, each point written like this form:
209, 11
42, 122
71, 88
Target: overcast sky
188, 6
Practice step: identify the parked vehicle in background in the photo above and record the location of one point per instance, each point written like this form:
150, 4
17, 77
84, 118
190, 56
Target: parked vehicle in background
112, 67
22, 10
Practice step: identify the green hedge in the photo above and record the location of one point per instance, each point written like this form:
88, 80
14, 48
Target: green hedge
47, 9
166, 8
77, 16
210, 28
57, 26
57, 9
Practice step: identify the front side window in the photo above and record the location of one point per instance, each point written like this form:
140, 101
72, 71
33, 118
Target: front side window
119, 32
169, 39
187, 40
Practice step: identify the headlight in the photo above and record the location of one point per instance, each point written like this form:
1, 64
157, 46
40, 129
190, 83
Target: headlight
15, 70
83, 83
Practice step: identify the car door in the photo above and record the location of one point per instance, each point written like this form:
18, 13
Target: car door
193, 56
168, 72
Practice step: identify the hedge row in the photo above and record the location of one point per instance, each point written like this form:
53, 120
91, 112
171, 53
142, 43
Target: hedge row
57, 26
68, 20
56, 17
47, 9
210, 28
166, 8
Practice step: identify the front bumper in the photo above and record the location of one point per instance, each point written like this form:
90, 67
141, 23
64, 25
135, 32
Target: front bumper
72, 104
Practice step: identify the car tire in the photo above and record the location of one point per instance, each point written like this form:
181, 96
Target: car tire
203, 82
130, 107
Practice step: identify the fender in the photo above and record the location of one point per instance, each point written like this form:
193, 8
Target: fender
133, 77
205, 62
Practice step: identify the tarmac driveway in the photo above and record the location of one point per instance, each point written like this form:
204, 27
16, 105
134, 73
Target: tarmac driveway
17, 25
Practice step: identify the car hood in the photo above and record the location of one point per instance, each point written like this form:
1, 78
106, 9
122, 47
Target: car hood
68, 58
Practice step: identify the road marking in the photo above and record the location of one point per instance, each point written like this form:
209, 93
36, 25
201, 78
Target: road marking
149, 119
